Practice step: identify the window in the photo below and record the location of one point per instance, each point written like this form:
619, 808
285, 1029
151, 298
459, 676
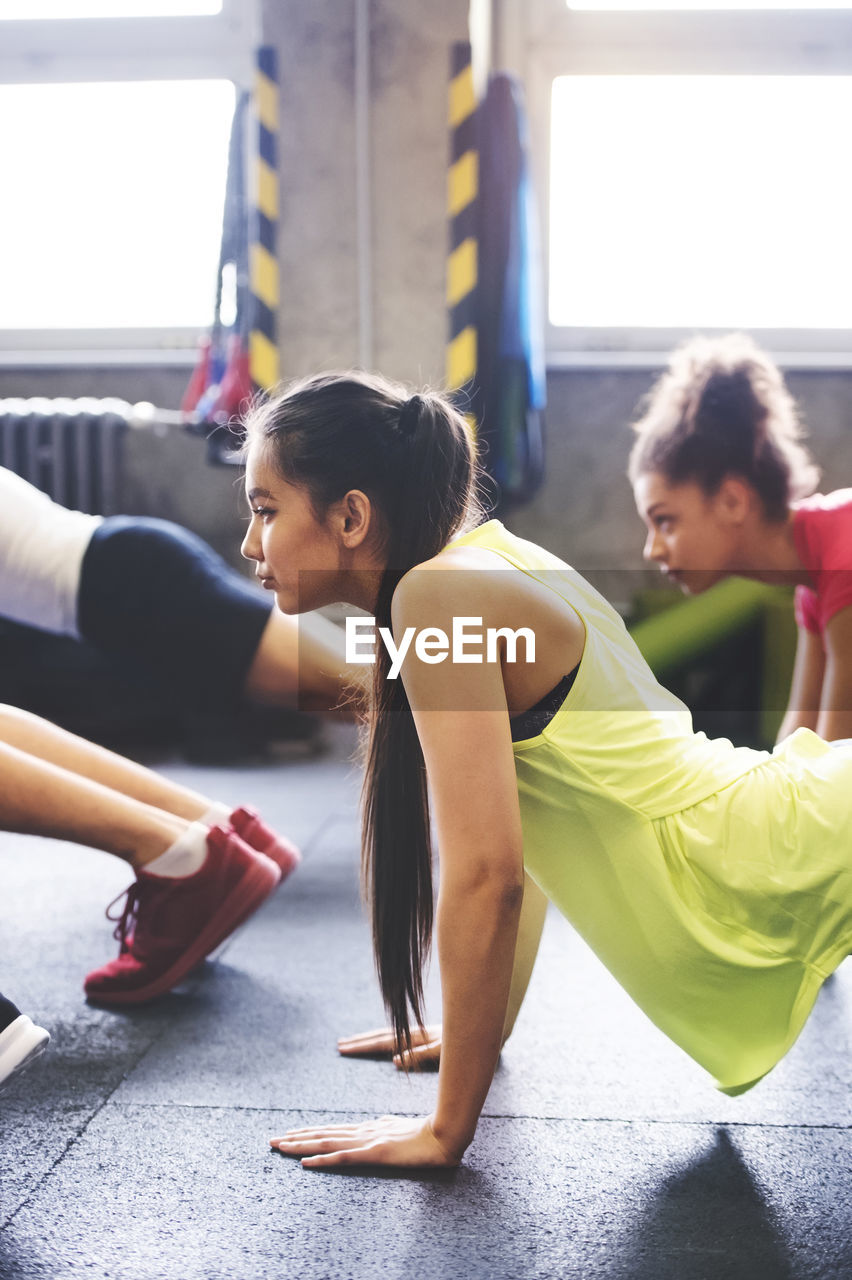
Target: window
719, 201
609, 5
123, 230
116, 133
690, 165
40, 9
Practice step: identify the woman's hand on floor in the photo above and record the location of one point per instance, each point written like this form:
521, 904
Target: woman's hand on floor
425, 1052
393, 1140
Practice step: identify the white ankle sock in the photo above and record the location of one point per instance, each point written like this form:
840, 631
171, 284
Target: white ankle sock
218, 815
183, 857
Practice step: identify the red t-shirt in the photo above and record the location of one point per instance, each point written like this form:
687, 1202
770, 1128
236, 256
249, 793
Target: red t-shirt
822, 531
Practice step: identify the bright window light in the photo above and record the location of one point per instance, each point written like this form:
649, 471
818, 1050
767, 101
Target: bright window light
106, 8
701, 201
112, 213
649, 5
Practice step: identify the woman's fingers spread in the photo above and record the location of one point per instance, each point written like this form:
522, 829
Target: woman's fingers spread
356, 1155
326, 1137
399, 1141
378, 1033
368, 1042
306, 1134
422, 1057
320, 1146
382, 1040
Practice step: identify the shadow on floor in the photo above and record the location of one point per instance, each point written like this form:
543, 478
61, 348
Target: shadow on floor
707, 1221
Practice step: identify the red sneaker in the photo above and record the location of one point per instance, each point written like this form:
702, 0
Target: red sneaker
250, 827
169, 925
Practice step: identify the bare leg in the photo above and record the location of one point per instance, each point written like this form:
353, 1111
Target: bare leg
48, 742
39, 798
302, 662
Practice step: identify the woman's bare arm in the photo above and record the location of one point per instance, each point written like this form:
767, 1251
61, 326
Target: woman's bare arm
835, 706
803, 707
463, 724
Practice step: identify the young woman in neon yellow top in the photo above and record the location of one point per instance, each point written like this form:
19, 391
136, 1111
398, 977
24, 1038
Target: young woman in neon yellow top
714, 882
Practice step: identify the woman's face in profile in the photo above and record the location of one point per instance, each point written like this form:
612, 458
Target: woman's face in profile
689, 535
296, 555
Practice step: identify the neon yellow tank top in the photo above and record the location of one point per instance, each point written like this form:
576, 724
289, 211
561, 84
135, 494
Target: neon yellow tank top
700, 873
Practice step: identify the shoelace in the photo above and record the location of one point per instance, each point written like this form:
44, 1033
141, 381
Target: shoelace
129, 915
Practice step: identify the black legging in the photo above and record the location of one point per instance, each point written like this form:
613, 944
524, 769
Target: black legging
155, 592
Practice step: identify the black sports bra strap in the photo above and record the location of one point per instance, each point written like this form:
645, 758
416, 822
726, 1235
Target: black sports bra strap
530, 723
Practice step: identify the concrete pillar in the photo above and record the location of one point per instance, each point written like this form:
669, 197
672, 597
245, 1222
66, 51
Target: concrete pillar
408, 50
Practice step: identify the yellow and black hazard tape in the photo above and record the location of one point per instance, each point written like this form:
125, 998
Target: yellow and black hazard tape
263, 259
462, 194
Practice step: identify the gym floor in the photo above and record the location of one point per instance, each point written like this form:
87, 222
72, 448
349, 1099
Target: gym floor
136, 1148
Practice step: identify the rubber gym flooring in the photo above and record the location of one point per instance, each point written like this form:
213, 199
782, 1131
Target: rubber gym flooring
136, 1148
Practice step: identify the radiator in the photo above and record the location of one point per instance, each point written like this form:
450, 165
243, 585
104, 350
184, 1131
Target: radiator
70, 449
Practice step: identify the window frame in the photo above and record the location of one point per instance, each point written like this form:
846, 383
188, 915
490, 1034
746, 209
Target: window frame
74, 50
542, 39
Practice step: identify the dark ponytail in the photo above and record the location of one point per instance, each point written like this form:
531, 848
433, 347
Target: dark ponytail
722, 408
414, 458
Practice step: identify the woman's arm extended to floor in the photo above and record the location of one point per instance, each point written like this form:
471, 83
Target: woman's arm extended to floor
463, 725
